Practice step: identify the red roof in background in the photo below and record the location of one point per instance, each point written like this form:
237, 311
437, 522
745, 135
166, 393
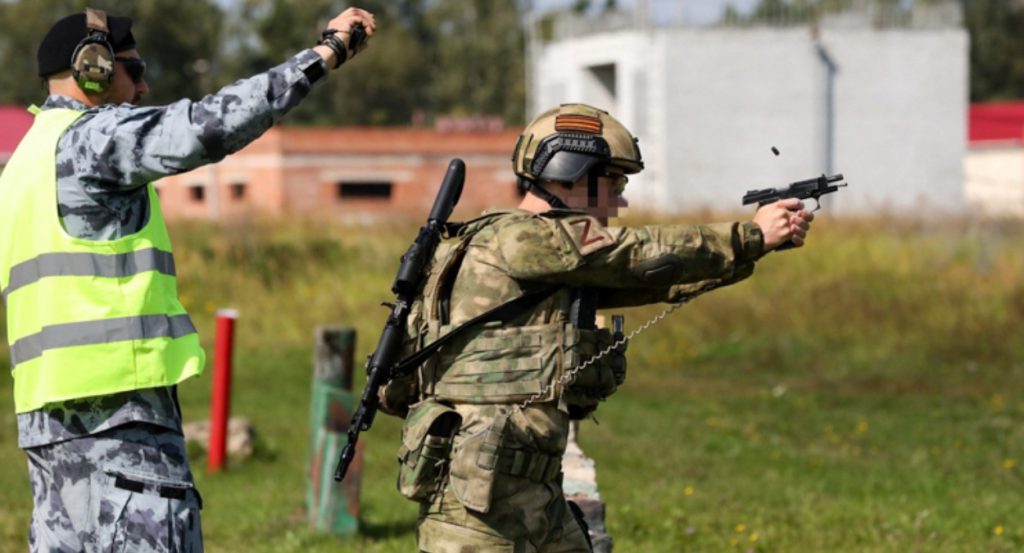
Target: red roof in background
14, 123
997, 121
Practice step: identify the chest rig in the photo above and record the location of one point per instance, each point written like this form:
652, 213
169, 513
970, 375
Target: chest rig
509, 360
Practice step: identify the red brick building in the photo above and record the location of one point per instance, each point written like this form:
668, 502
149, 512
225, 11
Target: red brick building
360, 174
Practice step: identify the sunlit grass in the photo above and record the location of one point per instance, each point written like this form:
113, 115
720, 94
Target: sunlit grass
863, 394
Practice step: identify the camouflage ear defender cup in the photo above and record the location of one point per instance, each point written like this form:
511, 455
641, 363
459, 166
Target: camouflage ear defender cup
92, 62
568, 142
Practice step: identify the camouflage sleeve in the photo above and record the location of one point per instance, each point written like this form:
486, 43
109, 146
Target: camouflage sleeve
125, 146
630, 297
576, 250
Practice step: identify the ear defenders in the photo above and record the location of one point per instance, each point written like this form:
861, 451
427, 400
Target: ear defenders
92, 63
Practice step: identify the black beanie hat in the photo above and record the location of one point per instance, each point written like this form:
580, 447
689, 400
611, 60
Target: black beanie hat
59, 44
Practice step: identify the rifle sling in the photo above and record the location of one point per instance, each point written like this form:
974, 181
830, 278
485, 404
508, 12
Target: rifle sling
504, 312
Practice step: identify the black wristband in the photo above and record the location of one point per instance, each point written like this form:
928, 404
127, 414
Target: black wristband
315, 71
329, 38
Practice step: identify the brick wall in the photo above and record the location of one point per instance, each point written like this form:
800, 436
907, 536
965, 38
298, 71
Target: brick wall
360, 174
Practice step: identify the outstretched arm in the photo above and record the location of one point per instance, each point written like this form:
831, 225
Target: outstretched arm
125, 146
575, 250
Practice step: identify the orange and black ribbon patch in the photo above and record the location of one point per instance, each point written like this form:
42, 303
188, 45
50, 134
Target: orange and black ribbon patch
578, 123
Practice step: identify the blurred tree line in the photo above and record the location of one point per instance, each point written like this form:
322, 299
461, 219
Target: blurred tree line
997, 48
429, 58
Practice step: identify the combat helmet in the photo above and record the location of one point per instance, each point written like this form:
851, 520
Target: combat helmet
568, 142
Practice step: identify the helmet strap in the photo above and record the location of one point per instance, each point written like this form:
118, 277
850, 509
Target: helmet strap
552, 200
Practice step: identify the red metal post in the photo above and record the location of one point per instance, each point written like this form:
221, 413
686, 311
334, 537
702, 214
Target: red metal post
220, 403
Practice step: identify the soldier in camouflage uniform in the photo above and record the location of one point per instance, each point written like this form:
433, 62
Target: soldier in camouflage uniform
487, 418
109, 471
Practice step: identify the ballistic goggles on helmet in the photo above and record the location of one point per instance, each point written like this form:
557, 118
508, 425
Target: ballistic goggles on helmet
567, 157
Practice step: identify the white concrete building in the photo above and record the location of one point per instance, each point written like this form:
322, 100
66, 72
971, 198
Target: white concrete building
882, 101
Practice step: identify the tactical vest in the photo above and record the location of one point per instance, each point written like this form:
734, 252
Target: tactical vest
500, 363
84, 318
491, 364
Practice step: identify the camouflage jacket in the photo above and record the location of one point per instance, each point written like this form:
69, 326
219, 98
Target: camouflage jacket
517, 251
105, 159
511, 253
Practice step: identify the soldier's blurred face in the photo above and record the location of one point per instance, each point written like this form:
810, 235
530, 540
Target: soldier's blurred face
129, 84
602, 197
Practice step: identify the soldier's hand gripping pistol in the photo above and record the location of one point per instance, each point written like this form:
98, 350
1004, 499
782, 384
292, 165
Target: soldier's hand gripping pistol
411, 274
812, 189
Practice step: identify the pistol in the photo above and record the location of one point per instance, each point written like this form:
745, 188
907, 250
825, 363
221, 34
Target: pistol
806, 189
812, 189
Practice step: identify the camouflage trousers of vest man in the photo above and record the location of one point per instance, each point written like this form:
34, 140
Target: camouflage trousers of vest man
126, 489
522, 508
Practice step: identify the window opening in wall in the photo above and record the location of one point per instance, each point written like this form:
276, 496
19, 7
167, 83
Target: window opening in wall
197, 192
238, 191
365, 190
600, 86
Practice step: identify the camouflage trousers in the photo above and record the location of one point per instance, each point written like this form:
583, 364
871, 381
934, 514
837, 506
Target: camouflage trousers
534, 519
126, 489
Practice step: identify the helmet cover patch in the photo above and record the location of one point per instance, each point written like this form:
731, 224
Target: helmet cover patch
578, 123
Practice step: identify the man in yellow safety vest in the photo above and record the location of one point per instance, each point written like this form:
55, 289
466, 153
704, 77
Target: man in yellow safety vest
99, 339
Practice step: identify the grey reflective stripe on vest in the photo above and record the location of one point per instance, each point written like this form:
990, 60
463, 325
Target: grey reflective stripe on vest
85, 264
99, 332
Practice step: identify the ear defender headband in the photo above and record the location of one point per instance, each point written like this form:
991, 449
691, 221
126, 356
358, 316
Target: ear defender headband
92, 62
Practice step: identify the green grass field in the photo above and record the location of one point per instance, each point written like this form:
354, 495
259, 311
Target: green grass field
863, 394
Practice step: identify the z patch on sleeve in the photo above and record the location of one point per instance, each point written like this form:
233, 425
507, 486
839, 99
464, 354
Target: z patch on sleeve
586, 234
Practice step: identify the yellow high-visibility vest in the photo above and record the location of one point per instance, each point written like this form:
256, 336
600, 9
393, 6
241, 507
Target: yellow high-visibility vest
84, 317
